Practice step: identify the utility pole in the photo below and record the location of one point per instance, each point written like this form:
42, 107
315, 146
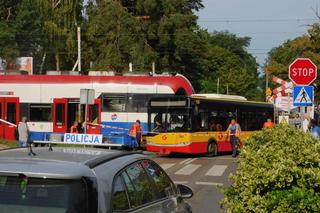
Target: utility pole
267, 80
153, 68
79, 49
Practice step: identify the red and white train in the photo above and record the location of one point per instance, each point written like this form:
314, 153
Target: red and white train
52, 102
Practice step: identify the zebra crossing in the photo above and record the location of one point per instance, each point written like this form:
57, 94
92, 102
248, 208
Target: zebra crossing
198, 171
188, 169
204, 175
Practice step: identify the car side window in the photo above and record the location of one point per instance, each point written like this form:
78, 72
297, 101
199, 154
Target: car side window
164, 185
139, 186
120, 199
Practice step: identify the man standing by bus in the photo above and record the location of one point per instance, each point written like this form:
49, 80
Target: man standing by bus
233, 131
136, 132
23, 132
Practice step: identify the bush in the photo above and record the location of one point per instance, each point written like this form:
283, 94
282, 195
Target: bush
278, 171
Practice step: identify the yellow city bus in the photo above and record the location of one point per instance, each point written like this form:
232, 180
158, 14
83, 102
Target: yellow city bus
198, 124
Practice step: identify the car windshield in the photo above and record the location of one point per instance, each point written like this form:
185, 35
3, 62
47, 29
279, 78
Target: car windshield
38, 195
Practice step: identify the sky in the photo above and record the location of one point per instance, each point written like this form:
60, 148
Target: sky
269, 23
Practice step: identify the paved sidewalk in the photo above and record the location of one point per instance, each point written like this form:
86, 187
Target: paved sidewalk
3, 147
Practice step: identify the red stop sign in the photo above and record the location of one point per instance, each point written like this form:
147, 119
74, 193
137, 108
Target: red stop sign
302, 71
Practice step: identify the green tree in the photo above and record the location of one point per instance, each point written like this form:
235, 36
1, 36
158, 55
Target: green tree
145, 31
38, 28
58, 24
117, 32
113, 38
8, 45
229, 61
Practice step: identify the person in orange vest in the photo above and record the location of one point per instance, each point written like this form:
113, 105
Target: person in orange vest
136, 133
268, 124
74, 128
234, 131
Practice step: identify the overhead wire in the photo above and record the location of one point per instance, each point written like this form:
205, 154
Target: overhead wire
258, 20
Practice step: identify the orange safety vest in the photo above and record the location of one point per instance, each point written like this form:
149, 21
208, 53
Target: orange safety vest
135, 128
74, 129
268, 124
237, 134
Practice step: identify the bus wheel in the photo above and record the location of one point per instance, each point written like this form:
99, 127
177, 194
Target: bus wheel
212, 149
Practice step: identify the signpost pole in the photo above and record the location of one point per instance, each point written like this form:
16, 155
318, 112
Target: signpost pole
86, 98
289, 103
86, 113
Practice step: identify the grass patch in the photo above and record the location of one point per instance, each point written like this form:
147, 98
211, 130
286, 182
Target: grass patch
8, 144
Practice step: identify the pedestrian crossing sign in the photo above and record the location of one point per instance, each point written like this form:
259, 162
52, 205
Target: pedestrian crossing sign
303, 96
283, 120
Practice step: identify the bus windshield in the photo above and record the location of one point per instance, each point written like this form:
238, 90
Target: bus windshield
32, 195
171, 120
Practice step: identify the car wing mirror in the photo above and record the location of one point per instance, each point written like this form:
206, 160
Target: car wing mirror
185, 191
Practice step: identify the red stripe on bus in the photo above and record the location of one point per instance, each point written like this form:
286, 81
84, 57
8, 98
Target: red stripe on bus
193, 148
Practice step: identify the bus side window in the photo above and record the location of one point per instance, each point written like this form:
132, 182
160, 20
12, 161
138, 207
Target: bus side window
215, 121
203, 121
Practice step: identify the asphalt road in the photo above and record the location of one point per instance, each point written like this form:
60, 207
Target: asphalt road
205, 175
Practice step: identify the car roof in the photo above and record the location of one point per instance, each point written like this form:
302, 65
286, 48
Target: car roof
61, 162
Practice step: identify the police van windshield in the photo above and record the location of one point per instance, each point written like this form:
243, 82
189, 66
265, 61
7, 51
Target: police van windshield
35, 195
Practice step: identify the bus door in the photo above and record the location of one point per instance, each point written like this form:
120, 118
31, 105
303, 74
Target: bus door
60, 115
10, 112
94, 117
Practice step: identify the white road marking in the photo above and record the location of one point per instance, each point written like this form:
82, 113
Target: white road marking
219, 158
209, 183
188, 169
180, 182
184, 161
166, 166
190, 161
216, 170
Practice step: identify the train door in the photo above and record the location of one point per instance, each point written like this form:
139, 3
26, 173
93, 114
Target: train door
94, 117
9, 112
60, 115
